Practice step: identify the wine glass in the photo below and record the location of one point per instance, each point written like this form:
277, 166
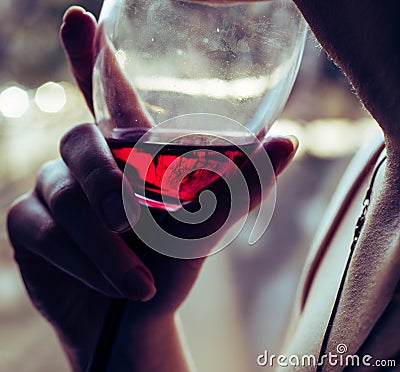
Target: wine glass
191, 80
183, 92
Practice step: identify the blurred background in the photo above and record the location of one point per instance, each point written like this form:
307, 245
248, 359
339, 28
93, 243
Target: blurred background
242, 302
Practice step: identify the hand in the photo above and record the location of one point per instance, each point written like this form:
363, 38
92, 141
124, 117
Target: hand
71, 240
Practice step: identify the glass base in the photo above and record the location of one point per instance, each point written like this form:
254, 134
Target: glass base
166, 206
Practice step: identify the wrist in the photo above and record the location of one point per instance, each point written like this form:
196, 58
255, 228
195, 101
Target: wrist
78, 358
148, 343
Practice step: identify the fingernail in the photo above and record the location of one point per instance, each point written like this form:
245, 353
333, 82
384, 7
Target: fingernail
77, 12
294, 140
73, 9
114, 213
283, 152
138, 284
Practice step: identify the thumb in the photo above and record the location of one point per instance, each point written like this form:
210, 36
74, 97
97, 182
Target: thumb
259, 172
281, 151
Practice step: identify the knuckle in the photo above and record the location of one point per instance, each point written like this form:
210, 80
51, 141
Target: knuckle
57, 186
63, 194
46, 235
14, 217
46, 169
73, 137
30, 229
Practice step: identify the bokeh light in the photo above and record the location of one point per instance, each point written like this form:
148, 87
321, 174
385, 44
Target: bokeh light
51, 97
14, 102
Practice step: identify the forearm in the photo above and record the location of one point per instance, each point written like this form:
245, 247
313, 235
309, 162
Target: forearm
150, 345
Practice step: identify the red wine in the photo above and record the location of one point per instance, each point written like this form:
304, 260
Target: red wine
163, 173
